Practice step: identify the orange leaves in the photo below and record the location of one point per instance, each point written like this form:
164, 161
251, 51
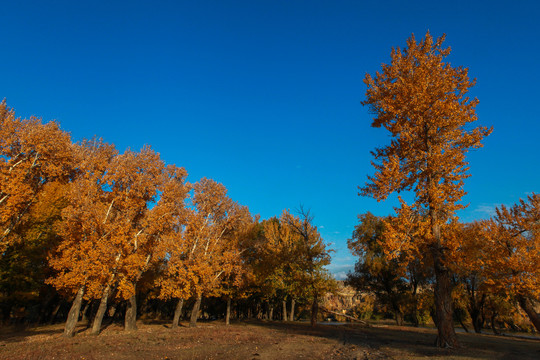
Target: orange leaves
31, 155
121, 207
205, 247
420, 100
514, 247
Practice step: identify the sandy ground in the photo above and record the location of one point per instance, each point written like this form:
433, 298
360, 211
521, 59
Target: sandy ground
256, 340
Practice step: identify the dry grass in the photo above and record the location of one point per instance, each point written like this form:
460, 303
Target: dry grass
256, 340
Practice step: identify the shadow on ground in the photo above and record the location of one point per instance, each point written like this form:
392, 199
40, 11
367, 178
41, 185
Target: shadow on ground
404, 342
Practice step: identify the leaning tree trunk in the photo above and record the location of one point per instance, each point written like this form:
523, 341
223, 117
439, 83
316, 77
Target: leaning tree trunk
314, 311
528, 307
443, 300
96, 326
73, 316
86, 310
195, 312
284, 317
177, 313
130, 322
292, 310
55, 311
228, 313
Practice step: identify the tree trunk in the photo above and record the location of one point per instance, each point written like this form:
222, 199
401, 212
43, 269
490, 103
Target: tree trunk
195, 312
477, 320
292, 310
444, 307
177, 313
85, 310
314, 311
228, 313
415, 319
284, 310
73, 316
443, 293
54, 312
463, 325
399, 317
271, 313
495, 331
260, 311
96, 326
130, 322
528, 307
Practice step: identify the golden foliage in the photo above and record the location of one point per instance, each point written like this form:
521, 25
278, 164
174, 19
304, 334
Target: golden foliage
31, 155
421, 100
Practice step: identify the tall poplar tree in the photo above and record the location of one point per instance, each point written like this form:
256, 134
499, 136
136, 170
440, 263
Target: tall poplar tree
421, 100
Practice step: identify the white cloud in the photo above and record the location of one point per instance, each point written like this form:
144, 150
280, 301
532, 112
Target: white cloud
486, 210
342, 275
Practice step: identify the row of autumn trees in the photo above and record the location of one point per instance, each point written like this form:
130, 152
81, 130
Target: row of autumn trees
99, 228
422, 102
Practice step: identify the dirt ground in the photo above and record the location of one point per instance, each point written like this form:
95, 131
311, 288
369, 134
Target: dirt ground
256, 340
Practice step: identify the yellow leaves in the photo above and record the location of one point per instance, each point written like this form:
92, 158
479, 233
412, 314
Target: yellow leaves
31, 155
114, 220
420, 100
504, 251
206, 249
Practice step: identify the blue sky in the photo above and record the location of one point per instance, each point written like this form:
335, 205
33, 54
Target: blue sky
264, 96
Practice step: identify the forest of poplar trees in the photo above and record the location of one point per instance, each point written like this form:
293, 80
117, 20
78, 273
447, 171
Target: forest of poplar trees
89, 233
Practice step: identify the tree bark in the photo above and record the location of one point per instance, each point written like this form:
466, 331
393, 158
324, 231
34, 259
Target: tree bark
415, 320
85, 310
443, 303
495, 331
292, 310
54, 312
463, 325
177, 313
528, 307
444, 307
399, 317
284, 317
73, 316
477, 320
195, 312
228, 313
96, 326
314, 311
130, 322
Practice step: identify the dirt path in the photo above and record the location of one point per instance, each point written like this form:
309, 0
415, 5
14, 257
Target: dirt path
256, 340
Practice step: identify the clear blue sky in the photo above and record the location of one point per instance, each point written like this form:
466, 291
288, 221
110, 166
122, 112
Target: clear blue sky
264, 96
